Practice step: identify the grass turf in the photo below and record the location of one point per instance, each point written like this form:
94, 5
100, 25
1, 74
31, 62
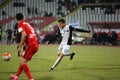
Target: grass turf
89, 63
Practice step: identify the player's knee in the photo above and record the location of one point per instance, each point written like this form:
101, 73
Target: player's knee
58, 54
23, 61
61, 55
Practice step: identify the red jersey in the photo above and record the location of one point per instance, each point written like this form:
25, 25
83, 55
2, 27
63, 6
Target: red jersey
30, 33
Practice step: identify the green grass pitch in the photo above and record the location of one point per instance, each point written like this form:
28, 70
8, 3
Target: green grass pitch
89, 63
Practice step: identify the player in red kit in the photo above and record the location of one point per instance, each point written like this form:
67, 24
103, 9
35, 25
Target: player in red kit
30, 40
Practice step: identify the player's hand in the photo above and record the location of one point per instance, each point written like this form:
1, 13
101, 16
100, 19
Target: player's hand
89, 31
19, 49
21, 54
47, 43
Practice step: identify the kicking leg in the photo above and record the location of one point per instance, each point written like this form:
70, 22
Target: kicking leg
60, 56
62, 50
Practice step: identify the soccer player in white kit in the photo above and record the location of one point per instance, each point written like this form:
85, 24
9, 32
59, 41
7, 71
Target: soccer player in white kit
66, 32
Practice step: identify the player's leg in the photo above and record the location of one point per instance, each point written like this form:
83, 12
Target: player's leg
61, 55
23, 66
10, 40
26, 69
71, 55
62, 51
29, 52
65, 51
7, 40
20, 69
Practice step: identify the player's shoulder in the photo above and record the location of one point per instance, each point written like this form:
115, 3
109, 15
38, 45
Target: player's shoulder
25, 23
71, 27
67, 27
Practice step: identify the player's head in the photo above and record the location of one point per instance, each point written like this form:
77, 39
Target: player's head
61, 23
19, 17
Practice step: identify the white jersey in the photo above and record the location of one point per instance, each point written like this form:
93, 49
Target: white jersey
65, 33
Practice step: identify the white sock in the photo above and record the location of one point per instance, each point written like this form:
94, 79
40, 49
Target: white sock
56, 62
68, 54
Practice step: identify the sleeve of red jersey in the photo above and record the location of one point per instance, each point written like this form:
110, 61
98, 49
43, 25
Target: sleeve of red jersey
20, 29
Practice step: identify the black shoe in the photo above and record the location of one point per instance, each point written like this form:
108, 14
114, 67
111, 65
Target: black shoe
51, 69
72, 55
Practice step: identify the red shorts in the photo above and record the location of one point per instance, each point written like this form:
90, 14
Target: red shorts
30, 51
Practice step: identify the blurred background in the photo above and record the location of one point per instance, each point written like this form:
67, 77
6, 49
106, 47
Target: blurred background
102, 17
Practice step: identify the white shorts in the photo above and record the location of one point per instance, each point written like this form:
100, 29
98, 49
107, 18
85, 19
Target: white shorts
63, 49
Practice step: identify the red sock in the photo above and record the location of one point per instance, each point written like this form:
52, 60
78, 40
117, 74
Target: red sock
27, 71
19, 70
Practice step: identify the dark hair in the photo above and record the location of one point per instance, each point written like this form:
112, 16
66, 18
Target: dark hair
19, 16
61, 20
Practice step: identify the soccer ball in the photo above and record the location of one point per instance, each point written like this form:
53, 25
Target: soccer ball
6, 56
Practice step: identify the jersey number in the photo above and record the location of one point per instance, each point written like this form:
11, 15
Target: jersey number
32, 30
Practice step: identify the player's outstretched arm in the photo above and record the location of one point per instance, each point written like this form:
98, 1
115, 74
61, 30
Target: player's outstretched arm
51, 40
80, 30
54, 38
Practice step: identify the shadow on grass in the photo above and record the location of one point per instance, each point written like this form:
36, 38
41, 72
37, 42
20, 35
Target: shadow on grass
46, 78
98, 77
95, 76
97, 68
104, 68
8, 73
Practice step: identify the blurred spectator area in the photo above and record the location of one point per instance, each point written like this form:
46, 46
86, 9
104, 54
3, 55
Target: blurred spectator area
18, 4
43, 12
33, 9
102, 1
110, 8
2, 1
106, 32
42, 20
